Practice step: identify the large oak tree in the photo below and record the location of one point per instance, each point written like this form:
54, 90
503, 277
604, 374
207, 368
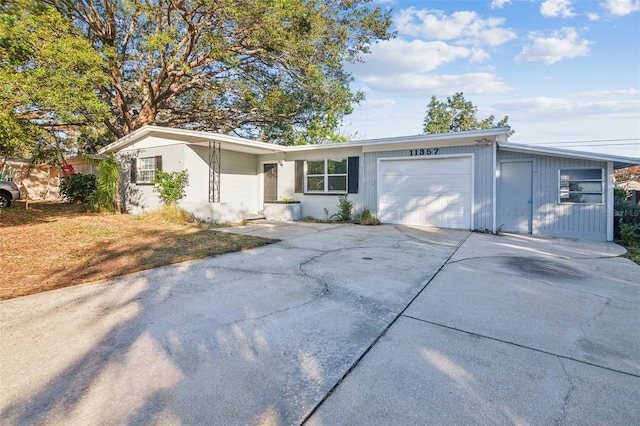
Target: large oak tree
272, 69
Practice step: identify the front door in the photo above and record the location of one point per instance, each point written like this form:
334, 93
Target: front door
515, 196
270, 182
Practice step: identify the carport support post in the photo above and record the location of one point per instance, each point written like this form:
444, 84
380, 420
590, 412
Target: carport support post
214, 172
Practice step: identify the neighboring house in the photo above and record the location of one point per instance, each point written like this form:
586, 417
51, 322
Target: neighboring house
633, 189
41, 181
463, 180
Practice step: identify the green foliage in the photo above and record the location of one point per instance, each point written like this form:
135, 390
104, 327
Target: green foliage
627, 215
345, 208
77, 187
365, 217
106, 196
630, 234
49, 76
170, 186
619, 194
456, 115
267, 69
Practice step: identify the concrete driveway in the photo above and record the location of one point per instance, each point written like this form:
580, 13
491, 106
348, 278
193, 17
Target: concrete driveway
337, 324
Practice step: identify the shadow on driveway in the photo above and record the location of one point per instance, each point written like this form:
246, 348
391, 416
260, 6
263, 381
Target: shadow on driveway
259, 336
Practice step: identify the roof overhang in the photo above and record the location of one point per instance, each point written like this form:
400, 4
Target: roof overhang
232, 143
619, 162
452, 138
193, 137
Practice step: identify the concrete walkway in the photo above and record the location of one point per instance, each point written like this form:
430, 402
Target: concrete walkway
337, 324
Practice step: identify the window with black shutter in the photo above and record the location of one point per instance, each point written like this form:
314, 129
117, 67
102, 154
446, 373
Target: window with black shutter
143, 170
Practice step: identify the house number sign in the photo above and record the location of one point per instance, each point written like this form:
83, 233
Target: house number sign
423, 151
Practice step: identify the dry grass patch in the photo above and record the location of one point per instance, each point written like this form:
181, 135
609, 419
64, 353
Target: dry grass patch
54, 245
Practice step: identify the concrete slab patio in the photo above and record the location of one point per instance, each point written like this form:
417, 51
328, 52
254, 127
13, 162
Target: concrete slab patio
337, 324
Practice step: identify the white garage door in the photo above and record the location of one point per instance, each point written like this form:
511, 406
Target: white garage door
426, 191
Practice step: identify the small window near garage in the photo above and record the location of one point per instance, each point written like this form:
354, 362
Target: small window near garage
143, 170
328, 176
581, 186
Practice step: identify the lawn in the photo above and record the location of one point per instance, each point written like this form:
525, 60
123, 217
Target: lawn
54, 245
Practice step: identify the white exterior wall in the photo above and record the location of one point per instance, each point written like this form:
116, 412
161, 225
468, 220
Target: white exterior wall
140, 198
239, 185
196, 162
239, 180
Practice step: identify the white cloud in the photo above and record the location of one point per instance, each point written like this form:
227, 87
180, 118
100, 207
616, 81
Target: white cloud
424, 85
465, 27
555, 8
593, 16
621, 7
625, 104
563, 44
633, 93
499, 4
377, 104
478, 55
399, 56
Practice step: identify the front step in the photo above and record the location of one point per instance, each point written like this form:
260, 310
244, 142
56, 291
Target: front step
252, 216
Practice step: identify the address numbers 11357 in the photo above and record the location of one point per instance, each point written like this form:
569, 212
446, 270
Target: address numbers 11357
423, 151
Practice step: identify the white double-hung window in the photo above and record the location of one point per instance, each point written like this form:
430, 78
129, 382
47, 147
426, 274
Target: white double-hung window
329, 175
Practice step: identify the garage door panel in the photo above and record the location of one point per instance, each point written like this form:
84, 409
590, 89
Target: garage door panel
430, 192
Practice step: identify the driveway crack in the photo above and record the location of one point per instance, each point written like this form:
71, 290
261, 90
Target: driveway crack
567, 396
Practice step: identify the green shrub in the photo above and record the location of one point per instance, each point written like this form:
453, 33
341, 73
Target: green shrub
366, 218
345, 208
630, 235
77, 187
170, 186
627, 213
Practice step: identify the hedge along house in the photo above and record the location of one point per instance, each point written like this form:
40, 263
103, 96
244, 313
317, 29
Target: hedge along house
463, 180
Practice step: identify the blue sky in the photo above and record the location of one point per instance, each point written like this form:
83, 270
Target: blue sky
564, 71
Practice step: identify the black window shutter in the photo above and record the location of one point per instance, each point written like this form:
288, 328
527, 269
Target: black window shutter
354, 173
299, 184
134, 170
159, 162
